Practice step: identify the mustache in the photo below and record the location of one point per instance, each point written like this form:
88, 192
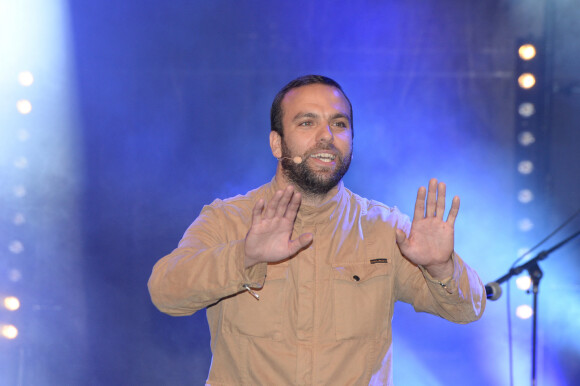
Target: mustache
327, 146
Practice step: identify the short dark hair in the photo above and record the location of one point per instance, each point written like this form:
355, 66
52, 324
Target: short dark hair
276, 110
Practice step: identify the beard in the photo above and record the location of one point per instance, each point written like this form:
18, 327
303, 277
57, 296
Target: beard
311, 182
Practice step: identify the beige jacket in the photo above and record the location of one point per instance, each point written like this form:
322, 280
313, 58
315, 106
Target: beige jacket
324, 316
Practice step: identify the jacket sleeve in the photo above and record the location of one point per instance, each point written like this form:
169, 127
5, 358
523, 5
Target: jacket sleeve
207, 266
459, 298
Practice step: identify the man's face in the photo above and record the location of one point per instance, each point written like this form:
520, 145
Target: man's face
316, 125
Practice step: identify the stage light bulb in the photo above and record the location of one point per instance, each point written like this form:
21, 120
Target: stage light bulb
25, 78
24, 106
524, 311
18, 219
19, 191
525, 196
524, 282
526, 138
16, 247
21, 163
526, 109
11, 303
525, 225
9, 331
527, 51
14, 275
525, 167
526, 80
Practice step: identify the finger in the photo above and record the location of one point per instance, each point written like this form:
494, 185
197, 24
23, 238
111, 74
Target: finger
440, 201
400, 236
273, 204
284, 200
257, 212
453, 211
300, 242
420, 204
293, 206
431, 198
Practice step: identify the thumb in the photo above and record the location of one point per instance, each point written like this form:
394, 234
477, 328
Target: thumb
401, 237
305, 239
301, 242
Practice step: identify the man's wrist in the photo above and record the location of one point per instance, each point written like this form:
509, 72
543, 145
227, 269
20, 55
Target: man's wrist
441, 271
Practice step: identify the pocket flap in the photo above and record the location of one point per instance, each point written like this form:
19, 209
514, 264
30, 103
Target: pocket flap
360, 272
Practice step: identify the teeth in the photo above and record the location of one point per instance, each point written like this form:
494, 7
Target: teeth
326, 157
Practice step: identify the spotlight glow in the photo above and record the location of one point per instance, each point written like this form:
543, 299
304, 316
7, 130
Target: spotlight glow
24, 106
525, 225
16, 247
524, 311
525, 196
527, 51
526, 80
525, 167
14, 275
23, 135
19, 191
526, 109
25, 78
9, 331
18, 219
526, 138
21, 163
524, 282
11, 303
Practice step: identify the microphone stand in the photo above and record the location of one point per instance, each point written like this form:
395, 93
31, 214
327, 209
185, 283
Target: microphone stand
535, 274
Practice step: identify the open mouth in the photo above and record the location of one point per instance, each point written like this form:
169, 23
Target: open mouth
324, 157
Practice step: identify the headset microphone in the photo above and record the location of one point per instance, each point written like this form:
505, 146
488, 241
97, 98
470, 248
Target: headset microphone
297, 159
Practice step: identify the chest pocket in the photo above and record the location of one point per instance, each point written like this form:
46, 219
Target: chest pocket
362, 299
244, 314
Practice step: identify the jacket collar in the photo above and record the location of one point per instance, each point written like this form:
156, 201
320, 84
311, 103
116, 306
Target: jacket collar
316, 213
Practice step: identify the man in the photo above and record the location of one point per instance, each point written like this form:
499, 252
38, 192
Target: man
299, 277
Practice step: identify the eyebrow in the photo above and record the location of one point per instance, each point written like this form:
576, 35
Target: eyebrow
339, 116
316, 116
305, 115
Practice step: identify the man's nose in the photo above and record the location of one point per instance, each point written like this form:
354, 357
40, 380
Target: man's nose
325, 134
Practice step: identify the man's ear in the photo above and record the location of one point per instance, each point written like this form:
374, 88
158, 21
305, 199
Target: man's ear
276, 144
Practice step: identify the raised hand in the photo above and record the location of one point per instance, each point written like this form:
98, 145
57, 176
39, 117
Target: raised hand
430, 241
268, 239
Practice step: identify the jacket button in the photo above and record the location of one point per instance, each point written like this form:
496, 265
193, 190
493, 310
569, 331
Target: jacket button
356, 278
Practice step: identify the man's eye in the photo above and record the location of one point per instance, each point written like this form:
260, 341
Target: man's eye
340, 124
307, 123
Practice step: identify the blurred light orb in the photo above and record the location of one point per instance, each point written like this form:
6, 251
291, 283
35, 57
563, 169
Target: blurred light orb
9, 331
526, 80
526, 138
15, 275
526, 109
18, 219
525, 167
524, 311
21, 163
16, 247
525, 196
11, 303
524, 282
25, 78
525, 225
527, 51
19, 191
23, 135
24, 106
